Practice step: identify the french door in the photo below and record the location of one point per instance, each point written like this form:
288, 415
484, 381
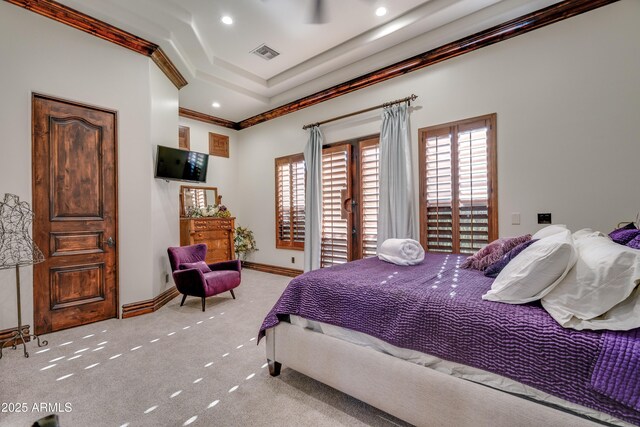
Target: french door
350, 191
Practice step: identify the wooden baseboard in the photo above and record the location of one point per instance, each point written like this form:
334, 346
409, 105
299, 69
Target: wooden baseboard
5, 334
273, 269
149, 306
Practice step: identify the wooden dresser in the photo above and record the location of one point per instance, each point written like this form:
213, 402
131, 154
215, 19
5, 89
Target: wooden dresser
216, 233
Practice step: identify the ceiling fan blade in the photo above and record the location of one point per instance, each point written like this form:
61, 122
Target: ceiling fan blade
319, 15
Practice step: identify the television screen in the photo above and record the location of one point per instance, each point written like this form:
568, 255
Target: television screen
181, 165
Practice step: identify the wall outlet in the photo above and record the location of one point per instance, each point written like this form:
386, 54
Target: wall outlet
544, 218
166, 278
293, 260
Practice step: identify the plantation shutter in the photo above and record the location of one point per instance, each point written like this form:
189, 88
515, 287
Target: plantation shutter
369, 195
336, 230
473, 185
439, 191
458, 174
297, 200
290, 202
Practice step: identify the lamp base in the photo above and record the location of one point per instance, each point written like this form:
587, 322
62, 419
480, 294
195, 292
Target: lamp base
18, 336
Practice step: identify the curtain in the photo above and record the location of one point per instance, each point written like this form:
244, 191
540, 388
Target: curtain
396, 214
313, 200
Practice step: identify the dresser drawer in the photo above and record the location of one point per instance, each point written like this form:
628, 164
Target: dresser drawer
218, 224
218, 255
201, 224
216, 233
203, 236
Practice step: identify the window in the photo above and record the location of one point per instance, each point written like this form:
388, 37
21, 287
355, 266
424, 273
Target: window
458, 185
290, 202
350, 191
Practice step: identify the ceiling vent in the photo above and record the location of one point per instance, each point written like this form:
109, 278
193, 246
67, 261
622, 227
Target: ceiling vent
265, 52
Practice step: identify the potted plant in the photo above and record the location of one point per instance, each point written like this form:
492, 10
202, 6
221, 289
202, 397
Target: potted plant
244, 242
215, 211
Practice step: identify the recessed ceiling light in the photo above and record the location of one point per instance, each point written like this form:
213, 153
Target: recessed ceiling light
216, 105
227, 20
381, 11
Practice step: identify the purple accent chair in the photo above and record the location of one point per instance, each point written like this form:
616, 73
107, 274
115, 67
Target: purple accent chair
224, 276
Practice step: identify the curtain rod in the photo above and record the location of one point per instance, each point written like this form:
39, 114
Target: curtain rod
408, 99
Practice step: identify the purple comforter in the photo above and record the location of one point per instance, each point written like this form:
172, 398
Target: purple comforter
436, 308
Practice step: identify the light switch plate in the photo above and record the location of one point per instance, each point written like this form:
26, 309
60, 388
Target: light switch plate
515, 218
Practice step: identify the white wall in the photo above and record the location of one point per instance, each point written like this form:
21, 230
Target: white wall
165, 202
43, 56
222, 172
567, 98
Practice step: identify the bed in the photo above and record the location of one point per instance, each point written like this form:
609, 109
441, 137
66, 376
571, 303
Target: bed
436, 309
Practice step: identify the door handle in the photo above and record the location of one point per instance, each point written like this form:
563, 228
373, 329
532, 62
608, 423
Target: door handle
345, 204
110, 242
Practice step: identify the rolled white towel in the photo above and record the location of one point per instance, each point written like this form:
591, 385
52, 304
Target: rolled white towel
401, 251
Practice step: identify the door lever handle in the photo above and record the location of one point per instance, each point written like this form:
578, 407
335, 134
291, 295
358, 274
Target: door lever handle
345, 204
110, 242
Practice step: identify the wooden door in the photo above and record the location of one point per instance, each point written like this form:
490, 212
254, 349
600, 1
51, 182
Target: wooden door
75, 205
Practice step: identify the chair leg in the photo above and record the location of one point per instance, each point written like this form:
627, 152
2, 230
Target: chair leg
203, 303
184, 297
232, 294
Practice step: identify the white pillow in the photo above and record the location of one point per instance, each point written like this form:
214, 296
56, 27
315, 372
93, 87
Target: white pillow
605, 274
535, 271
586, 232
623, 317
549, 230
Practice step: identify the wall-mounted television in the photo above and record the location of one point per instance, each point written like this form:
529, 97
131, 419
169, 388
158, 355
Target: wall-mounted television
181, 165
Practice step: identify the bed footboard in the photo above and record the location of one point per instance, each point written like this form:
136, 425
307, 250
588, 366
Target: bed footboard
413, 393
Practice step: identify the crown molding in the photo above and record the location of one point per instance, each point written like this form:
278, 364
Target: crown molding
83, 22
515, 27
212, 120
168, 68
498, 33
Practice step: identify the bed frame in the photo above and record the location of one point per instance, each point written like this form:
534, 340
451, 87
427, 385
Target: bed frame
413, 393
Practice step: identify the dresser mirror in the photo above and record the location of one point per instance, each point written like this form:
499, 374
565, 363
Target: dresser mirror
197, 197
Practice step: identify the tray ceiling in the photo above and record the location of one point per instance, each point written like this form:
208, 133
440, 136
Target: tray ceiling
216, 58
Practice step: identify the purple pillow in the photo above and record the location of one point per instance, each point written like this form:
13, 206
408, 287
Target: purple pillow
494, 269
200, 265
493, 252
624, 235
635, 243
474, 260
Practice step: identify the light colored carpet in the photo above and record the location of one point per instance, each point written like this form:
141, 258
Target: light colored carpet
177, 366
